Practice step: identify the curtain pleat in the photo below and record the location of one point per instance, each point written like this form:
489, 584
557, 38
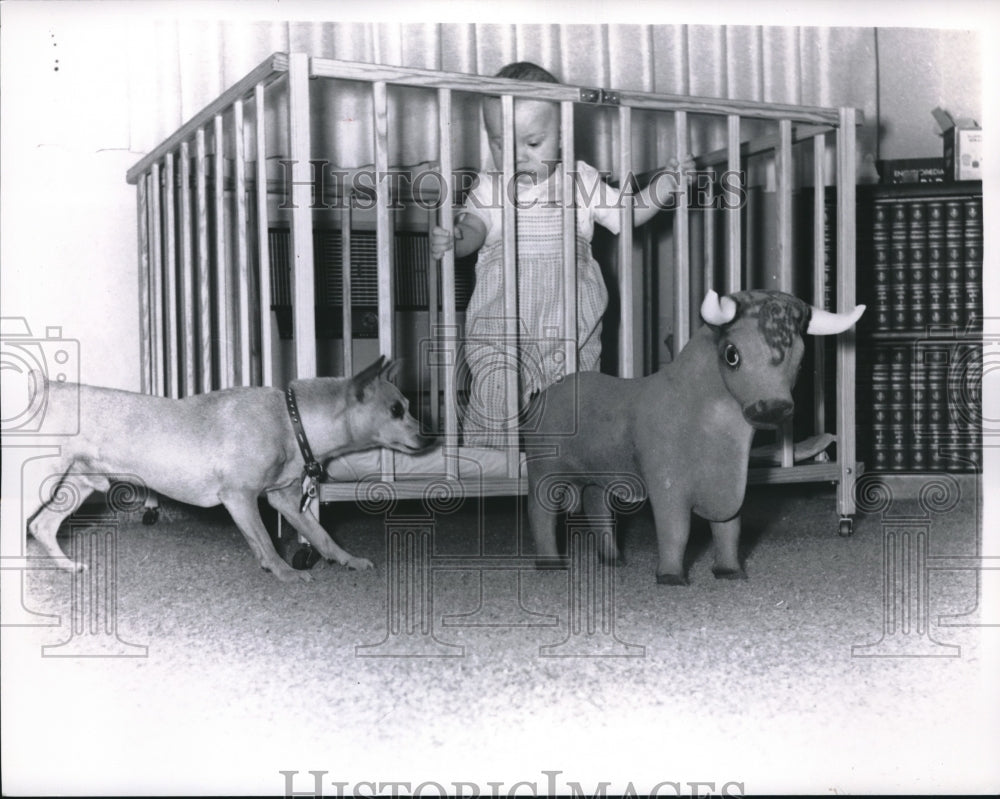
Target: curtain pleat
190, 63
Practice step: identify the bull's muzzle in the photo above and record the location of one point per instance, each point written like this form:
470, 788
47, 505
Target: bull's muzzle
768, 413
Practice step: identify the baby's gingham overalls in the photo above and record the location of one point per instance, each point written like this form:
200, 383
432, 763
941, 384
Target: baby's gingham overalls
537, 353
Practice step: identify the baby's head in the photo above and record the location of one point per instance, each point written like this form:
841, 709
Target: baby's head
536, 127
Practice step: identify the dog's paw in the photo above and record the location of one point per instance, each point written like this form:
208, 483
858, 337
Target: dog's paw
287, 574
359, 564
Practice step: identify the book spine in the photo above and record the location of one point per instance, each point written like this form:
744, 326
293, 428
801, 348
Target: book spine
899, 282
918, 415
972, 273
900, 423
880, 267
935, 263
936, 361
954, 265
965, 382
917, 266
879, 407
829, 250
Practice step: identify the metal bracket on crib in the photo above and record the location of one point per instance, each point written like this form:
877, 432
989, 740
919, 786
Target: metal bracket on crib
599, 96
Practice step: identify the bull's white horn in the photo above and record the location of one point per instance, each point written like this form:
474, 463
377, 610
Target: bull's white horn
824, 323
716, 310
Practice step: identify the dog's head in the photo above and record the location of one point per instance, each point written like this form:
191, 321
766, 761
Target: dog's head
382, 410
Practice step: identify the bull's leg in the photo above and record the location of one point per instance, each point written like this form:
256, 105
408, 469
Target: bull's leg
64, 496
673, 526
542, 519
726, 538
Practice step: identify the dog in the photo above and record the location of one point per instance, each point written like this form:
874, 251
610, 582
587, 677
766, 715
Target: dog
224, 447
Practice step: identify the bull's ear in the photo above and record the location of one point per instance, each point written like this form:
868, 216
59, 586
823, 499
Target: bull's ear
824, 323
718, 311
361, 380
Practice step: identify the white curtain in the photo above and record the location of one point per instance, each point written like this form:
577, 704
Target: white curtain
176, 67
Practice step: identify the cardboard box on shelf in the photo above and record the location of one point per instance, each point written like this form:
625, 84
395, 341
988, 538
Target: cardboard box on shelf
963, 146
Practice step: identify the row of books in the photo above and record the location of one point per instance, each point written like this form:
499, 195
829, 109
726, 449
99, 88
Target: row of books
924, 405
926, 259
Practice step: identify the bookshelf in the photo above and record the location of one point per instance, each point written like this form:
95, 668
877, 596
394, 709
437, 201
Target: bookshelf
920, 261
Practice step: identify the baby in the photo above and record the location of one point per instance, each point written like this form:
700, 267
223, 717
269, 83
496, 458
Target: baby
540, 291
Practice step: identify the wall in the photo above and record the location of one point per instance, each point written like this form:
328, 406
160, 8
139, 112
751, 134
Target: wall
67, 232
67, 240
920, 70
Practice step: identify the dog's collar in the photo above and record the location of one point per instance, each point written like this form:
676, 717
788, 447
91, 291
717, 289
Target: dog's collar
313, 469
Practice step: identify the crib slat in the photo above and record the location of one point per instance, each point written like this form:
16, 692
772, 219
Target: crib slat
263, 242
845, 278
187, 276
626, 327
709, 216
571, 333
142, 226
734, 234
819, 279
156, 283
204, 285
300, 151
433, 325
171, 282
347, 321
383, 242
449, 324
223, 296
682, 252
386, 287
783, 180
242, 321
510, 282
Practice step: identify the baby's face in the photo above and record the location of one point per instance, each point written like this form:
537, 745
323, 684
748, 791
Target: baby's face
536, 137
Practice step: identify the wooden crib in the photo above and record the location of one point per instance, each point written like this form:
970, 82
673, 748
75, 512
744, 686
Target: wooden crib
240, 218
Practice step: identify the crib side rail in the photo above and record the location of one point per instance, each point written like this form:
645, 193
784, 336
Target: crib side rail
270, 69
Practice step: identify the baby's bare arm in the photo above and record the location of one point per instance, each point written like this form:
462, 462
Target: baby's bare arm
659, 194
470, 233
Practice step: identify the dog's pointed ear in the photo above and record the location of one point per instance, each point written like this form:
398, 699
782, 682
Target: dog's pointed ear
391, 369
361, 380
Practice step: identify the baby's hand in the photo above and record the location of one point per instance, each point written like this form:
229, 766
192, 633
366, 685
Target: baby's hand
441, 241
685, 168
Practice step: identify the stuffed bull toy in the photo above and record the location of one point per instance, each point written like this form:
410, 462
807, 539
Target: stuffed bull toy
680, 437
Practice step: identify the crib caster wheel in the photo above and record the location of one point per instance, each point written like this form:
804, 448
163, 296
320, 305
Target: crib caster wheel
151, 516
846, 527
303, 557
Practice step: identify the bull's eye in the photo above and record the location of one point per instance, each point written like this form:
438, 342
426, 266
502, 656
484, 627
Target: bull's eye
731, 355
397, 410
